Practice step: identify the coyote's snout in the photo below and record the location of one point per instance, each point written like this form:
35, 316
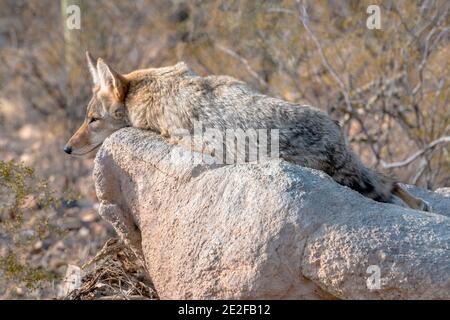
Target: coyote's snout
167, 100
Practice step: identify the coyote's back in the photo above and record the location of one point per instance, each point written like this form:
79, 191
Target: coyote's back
169, 99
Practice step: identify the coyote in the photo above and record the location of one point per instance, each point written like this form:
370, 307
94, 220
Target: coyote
166, 99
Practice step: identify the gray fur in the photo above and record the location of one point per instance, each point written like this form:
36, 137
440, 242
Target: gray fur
167, 99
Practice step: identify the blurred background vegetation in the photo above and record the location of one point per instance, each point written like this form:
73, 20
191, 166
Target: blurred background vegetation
389, 89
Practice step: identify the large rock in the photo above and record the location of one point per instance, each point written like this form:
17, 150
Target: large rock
266, 231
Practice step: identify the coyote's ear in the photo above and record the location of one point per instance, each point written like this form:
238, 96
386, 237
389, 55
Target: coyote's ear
111, 80
92, 68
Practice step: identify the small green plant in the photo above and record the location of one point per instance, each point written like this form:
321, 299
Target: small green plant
25, 203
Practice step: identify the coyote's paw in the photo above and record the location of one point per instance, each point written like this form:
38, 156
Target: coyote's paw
426, 206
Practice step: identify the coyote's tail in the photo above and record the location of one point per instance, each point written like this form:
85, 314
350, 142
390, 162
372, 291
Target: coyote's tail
366, 181
374, 185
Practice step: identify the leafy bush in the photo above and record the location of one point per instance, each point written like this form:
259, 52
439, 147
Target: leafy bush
25, 205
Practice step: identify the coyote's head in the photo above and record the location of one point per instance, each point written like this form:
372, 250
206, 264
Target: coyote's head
105, 112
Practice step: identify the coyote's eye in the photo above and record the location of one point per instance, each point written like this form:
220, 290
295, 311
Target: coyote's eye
93, 120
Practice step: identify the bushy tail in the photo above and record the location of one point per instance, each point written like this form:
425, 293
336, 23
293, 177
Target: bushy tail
368, 182
375, 185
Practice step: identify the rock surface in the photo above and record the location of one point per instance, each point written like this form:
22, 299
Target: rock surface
266, 231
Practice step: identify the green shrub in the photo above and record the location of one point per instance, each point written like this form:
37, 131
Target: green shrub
25, 205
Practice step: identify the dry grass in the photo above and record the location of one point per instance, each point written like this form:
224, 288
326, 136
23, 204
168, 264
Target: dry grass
115, 273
